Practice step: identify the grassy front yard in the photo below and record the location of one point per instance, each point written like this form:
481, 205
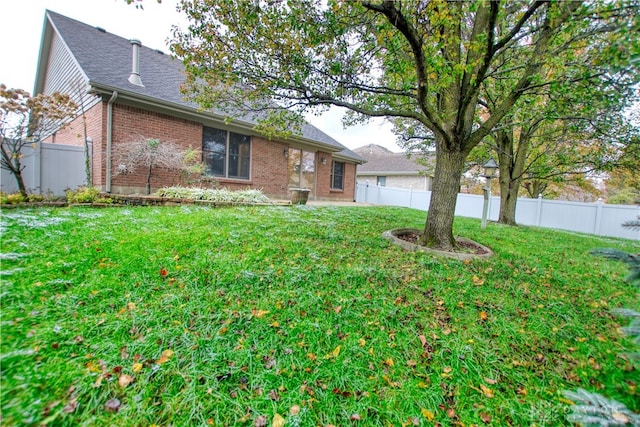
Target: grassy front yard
299, 315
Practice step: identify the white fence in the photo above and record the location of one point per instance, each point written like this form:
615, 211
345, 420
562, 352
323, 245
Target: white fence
593, 218
49, 169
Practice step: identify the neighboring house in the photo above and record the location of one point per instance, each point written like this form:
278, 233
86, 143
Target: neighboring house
397, 170
129, 91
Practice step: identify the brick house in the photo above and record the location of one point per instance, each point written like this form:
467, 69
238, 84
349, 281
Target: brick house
128, 91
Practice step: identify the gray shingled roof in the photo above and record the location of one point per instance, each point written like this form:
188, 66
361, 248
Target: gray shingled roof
106, 60
379, 159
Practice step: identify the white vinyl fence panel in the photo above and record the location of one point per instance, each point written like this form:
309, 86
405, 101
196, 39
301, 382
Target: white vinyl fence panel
49, 169
593, 218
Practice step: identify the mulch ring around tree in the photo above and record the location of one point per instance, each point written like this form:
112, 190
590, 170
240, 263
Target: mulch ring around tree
407, 239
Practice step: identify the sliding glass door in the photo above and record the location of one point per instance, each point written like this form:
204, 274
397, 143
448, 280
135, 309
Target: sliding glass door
302, 169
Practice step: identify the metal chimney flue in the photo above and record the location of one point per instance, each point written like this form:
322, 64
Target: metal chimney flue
134, 78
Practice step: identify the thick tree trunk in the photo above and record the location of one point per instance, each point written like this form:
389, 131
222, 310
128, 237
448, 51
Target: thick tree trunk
438, 231
511, 160
508, 200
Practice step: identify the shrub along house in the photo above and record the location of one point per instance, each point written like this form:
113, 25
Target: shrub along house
127, 91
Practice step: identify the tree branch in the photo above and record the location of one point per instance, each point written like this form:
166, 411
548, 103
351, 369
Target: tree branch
395, 17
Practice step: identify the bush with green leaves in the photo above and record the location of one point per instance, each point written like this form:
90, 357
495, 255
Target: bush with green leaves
12, 199
217, 195
83, 195
593, 409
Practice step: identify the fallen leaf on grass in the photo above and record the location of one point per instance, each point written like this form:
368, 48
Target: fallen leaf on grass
486, 391
490, 381
164, 357
259, 313
163, 272
93, 367
341, 392
124, 380
278, 421
355, 417
274, 395
71, 407
486, 418
483, 316
269, 362
334, 353
294, 410
478, 281
388, 362
423, 340
427, 414
112, 405
261, 421
391, 383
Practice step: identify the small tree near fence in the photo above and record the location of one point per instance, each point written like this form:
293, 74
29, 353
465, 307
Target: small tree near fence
151, 153
24, 120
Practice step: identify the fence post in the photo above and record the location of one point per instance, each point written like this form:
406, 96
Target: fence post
598, 221
366, 191
539, 211
37, 167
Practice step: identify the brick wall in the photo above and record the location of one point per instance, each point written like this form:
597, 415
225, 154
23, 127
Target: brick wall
349, 181
323, 180
132, 124
324, 190
268, 163
268, 168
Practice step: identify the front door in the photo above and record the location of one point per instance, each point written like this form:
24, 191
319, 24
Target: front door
302, 169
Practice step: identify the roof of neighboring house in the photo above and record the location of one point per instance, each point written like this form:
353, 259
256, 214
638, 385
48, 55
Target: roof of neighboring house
106, 60
381, 161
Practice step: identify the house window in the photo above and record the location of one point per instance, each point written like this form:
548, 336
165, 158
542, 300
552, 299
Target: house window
226, 154
381, 181
337, 175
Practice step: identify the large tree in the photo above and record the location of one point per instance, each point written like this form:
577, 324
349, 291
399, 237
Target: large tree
424, 61
572, 124
540, 151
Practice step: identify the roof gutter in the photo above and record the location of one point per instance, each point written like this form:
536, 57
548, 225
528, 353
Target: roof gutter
338, 156
114, 95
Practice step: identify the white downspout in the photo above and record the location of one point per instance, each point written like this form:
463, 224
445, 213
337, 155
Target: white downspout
114, 95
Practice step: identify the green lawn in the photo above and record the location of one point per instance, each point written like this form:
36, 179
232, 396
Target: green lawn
304, 315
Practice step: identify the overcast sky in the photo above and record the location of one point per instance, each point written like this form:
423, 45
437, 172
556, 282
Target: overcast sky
21, 30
